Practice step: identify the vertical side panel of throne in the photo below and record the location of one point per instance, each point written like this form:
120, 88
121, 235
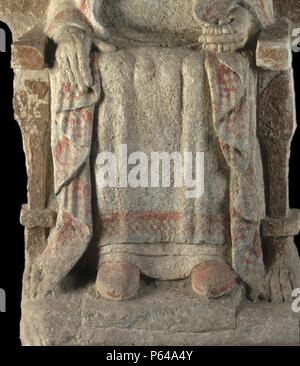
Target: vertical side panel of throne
276, 127
32, 111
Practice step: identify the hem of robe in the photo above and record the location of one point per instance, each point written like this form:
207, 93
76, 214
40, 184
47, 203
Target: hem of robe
167, 261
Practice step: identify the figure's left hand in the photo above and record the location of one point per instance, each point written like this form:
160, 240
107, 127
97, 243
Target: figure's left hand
228, 37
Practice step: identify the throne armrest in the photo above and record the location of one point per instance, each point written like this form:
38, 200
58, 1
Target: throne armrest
30, 62
29, 52
274, 50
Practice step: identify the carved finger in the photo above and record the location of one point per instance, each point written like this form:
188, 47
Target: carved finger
62, 62
221, 30
103, 46
217, 30
210, 47
267, 285
212, 31
205, 30
276, 295
220, 48
69, 74
74, 66
226, 29
239, 17
230, 29
65, 68
85, 70
285, 284
234, 46
84, 63
205, 47
229, 47
220, 39
65, 76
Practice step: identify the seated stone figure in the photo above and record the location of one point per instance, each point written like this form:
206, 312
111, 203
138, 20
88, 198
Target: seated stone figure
156, 76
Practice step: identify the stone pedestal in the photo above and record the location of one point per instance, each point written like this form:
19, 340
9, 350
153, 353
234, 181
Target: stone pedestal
163, 314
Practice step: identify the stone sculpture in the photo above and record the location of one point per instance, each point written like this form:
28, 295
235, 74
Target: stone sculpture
168, 77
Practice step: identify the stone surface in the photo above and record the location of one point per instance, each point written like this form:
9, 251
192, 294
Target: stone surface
273, 50
22, 15
29, 51
32, 110
283, 227
276, 126
161, 315
37, 217
168, 78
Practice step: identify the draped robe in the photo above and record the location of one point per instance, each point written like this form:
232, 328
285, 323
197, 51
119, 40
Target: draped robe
157, 98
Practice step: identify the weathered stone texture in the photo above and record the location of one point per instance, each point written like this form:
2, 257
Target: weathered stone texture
29, 52
282, 227
164, 315
165, 80
22, 15
273, 50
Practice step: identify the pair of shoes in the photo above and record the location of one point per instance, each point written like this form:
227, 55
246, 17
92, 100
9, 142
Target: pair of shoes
121, 280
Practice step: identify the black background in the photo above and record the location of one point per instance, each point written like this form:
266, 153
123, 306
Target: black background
13, 195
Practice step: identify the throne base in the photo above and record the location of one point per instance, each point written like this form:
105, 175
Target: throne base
163, 314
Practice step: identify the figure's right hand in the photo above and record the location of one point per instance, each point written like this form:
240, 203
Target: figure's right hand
73, 57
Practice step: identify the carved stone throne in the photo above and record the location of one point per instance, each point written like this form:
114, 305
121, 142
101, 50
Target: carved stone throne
80, 317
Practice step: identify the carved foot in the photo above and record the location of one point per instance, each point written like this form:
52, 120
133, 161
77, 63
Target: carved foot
118, 281
212, 279
283, 272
